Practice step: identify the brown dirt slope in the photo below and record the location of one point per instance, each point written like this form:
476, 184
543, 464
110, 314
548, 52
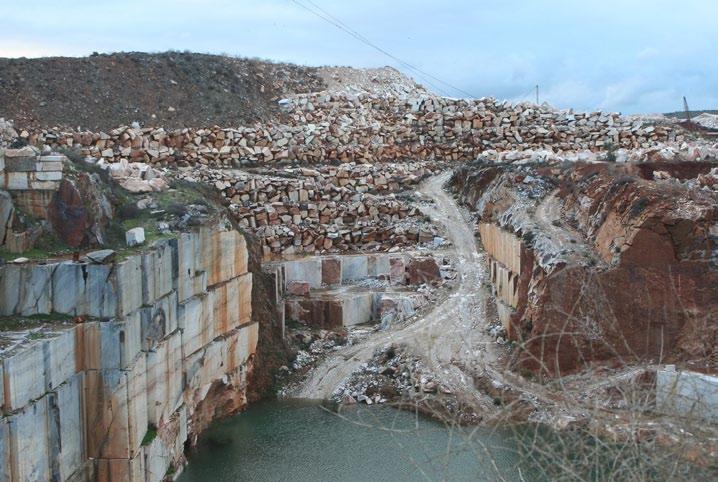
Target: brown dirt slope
179, 89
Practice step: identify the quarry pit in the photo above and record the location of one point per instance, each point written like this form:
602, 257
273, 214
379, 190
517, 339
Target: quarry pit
478, 261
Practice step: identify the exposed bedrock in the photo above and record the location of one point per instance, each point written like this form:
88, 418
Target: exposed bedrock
600, 263
110, 368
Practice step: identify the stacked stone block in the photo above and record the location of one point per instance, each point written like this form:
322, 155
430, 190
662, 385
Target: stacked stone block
154, 332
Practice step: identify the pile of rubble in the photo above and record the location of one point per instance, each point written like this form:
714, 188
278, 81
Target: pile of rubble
367, 128
693, 151
391, 375
352, 207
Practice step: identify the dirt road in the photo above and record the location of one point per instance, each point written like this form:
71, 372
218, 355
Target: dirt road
451, 338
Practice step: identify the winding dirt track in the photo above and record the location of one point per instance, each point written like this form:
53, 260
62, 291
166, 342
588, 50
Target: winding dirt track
451, 338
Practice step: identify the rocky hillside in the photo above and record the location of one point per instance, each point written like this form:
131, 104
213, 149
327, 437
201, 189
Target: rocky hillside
171, 89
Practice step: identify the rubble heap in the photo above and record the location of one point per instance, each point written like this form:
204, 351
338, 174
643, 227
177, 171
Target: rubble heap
366, 128
328, 209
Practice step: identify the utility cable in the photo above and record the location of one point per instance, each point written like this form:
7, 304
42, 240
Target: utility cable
328, 17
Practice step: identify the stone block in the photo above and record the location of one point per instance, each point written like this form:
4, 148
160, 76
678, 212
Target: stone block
354, 268
128, 276
357, 308
331, 271
309, 270
397, 270
49, 166
224, 254
378, 265
25, 151
59, 358
67, 435
104, 345
320, 313
24, 375
2, 388
158, 271
502, 245
26, 289
48, 176
167, 447
45, 185
686, 393
298, 288
68, 289
164, 380
193, 318
5, 468
116, 411
29, 439
101, 293
119, 470
52, 159
231, 304
158, 320
201, 369
34, 203
422, 270
6, 213
135, 236
158, 457
247, 339
191, 277
20, 164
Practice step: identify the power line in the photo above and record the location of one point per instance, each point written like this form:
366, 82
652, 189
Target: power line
328, 17
340, 25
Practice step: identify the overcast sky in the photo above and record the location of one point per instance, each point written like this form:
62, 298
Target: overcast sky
618, 55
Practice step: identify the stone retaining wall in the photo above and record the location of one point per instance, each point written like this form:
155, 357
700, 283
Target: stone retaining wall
31, 181
154, 336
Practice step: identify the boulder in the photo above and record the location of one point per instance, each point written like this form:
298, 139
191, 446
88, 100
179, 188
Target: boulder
103, 256
422, 270
135, 236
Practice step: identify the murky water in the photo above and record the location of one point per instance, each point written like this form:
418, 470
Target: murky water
294, 441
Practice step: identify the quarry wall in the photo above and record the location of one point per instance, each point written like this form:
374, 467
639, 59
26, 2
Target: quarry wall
599, 263
136, 355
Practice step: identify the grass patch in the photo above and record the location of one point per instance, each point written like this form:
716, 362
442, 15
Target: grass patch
17, 323
150, 435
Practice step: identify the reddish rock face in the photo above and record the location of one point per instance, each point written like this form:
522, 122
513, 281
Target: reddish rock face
317, 313
80, 212
422, 270
639, 280
68, 215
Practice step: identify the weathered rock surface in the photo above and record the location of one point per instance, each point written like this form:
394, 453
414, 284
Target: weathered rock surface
600, 262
